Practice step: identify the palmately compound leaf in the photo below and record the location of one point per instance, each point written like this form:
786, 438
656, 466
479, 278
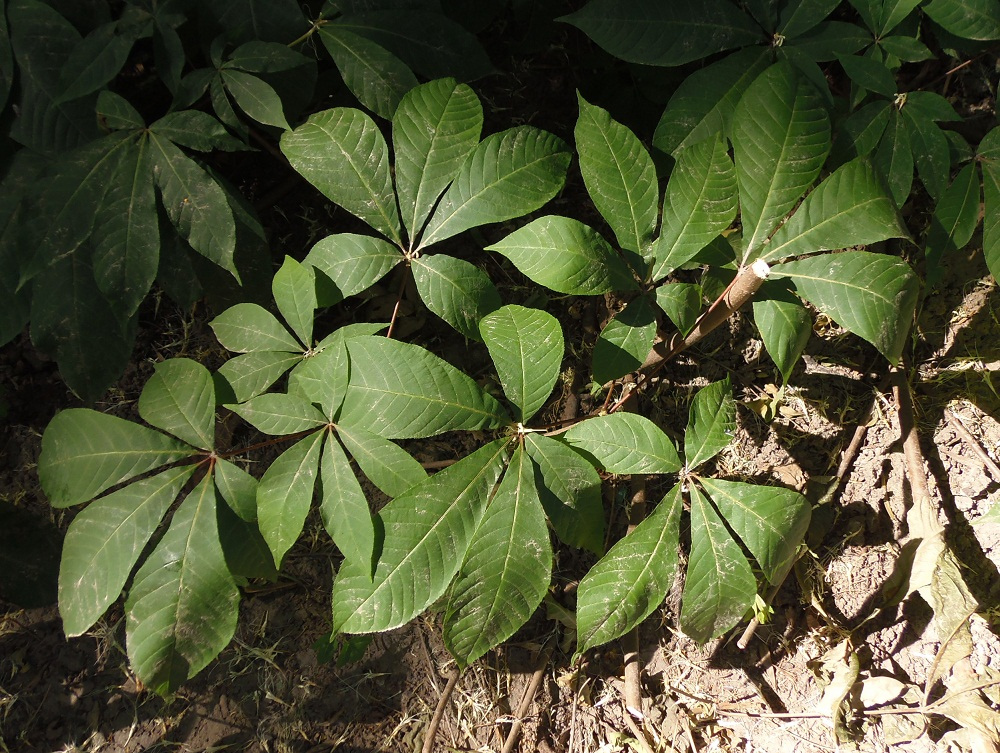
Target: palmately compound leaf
350, 264
183, 605
196, 204
285, 494
526, 346
632, 579
398, 390
570, 489
294, 288
435, 128
387, 465
507, 568
508, 175
849, 208
180, 399
624, 443
785, 327
781, 136
719, 586
700, 203
427, 533
374, 75
343, 153
711, 422
969, 19
567, 256
85, 452
344, 507
104, 542
771, 521
649, 32
625, 341
872, 295
459, 292
619, 176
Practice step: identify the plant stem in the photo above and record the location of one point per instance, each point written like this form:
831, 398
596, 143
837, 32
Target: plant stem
442, 704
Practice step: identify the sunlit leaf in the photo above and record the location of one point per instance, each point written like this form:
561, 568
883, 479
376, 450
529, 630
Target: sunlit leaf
711, 423
624, 443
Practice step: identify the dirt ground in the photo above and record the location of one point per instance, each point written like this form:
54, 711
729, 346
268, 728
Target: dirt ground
273, 690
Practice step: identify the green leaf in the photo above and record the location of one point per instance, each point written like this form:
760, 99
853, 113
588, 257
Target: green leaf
567, 256
195, 203
252, 373
285, 493
771, 521
719, 586
388, 466
931, 106
457, 291
892, 14
399, 390
238, 488
427, 533
681, 302
989, 152
196, 130
434, 130
344, 507
711, 423
85, 452
570, 491
508, 175
830, 40
869, 74
632, 579
117, 113
907, 49
625, 341
256, 98
872, 295
700, 203
804, 15
256, 56
861, 131
343, 153
849, 208
506, 571
294, 288
104, 542
127, 241
249, 328
180, 399
526, 346
653, 33
95, 61
183, 606
894, 158
955, 219
702, 105
350, 264
930, 151
279, 414
72, 322
624, 443
245, 550
969, 19
785, 327
781, 136
619, 176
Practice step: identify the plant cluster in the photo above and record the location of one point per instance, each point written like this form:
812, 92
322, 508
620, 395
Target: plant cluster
779, 191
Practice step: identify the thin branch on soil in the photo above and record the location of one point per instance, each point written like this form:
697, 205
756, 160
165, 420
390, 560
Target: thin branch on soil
973, 443
529, 696
399, 300
442, 704
630, 641
846, 461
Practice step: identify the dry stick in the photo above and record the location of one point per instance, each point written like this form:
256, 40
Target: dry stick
630, 641
747, 282
973, 443
529, 696
846, 461
442, 704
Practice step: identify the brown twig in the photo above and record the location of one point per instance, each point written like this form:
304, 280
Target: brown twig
529, 696
973, 444
442, 704
630, 641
